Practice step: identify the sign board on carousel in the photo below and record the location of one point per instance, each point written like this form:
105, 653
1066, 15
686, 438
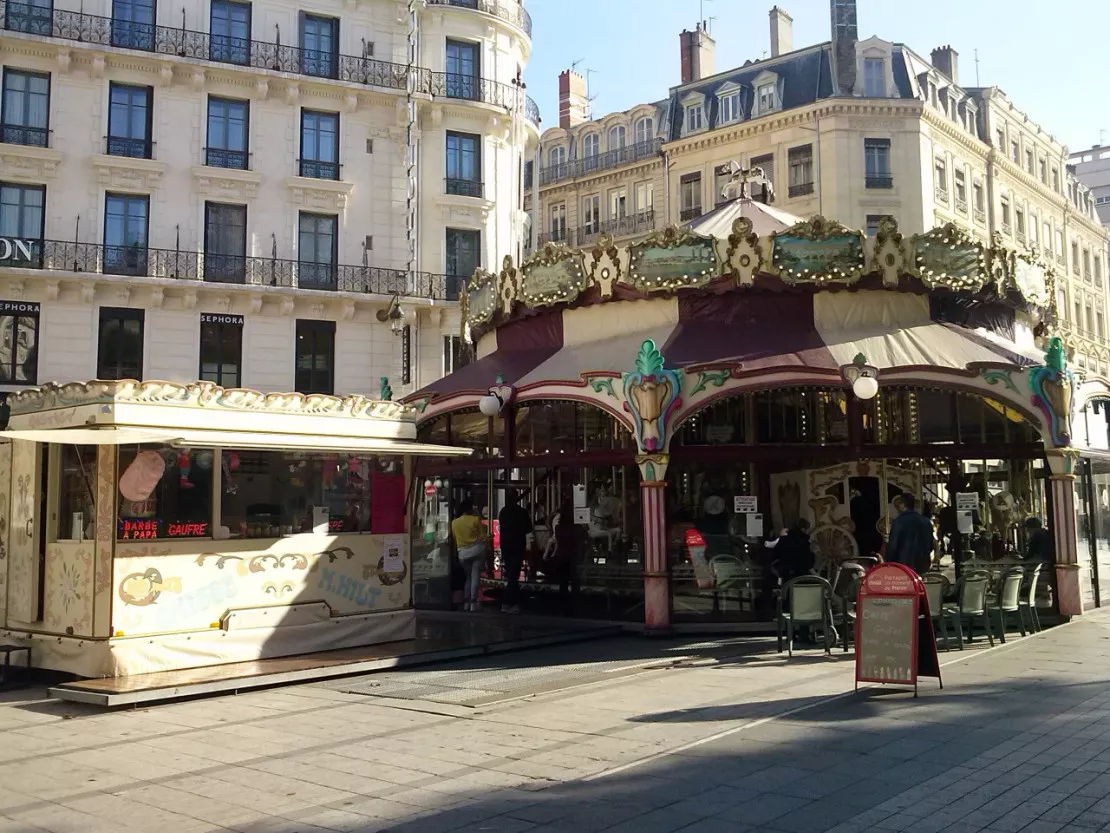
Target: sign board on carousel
894, 632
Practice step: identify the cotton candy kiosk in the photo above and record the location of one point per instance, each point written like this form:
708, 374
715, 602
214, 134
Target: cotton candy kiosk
150, 526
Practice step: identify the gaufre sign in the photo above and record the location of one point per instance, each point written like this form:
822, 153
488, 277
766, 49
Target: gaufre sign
12, 248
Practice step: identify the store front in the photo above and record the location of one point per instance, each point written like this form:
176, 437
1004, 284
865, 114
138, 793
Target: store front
690, 382
153, 526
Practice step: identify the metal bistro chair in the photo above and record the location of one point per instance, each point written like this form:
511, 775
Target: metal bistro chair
971, 604
845, 592
732, 581
1027, 604
1007, 599
805, 600
936, 586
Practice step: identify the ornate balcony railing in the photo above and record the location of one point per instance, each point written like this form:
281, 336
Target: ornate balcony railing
17, 134
690, 213
129, 147
593, 164
462, 187
473, 88
800, 189
942, 195
317, 169
531, 111
221, 158
879, 181
980, 215
640, 223
209, 267
512, 11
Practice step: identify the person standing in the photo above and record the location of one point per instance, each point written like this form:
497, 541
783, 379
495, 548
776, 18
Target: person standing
911, 538
1038, 543
570, 540
471, 542
794, 552
514, 523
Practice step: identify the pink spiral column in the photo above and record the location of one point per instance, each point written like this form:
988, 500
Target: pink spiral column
657, 596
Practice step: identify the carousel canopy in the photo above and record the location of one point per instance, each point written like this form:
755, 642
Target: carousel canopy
765, 219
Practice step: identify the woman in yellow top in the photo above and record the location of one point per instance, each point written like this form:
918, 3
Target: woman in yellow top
471, 543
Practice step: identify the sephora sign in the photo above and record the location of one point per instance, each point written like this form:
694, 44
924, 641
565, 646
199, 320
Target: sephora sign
14, 250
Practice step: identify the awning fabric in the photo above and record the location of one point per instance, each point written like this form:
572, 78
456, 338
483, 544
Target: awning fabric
765, 219
243, 440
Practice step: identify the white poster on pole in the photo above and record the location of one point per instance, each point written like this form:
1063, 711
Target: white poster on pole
745, 504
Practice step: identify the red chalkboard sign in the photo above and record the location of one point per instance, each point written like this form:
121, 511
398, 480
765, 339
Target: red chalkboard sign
894, 632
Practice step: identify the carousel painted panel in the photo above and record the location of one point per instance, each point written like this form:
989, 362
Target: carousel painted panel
68, 596
167, 586
949, 257
23, 543
553, 276
673, 259
5, 509
818, 251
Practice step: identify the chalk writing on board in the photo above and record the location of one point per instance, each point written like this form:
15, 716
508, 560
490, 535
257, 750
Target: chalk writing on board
886, 639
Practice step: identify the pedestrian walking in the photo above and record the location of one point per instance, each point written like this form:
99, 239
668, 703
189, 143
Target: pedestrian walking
570, 541
471, 542
514, 524
911, 538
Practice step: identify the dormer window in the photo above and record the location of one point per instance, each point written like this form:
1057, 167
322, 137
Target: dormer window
767, 98
590, 145
729, 107
557, 156
695, 117
645, 130
874, 77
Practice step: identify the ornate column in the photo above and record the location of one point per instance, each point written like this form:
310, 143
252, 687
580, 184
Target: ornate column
1053, 387
651, 395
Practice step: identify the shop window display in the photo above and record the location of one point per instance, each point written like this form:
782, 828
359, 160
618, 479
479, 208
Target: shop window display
165, 493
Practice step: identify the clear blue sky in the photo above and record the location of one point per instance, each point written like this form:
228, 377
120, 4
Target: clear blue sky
1048, 57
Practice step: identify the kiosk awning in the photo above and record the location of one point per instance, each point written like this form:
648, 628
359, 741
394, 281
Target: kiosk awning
245, 440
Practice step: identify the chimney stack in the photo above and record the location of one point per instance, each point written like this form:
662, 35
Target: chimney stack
782, 32
946, 59
845, 34
572, 99
697, 54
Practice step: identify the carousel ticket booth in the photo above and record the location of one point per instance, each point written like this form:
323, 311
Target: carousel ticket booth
151, 526
689, 395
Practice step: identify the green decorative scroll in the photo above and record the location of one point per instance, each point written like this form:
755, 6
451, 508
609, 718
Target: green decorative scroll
421, 404
602, 384
482, 297
710, 377
554, 275
818, 251
1002, 377
674, 258
948, 257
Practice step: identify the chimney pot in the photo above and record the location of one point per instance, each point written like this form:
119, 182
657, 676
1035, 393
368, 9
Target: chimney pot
946, 59
782, 32
572, 99
696, 53
845, 35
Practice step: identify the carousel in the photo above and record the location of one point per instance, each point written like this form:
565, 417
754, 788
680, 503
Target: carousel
690, 394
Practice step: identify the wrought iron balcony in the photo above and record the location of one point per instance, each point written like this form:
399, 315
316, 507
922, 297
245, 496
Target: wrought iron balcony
221, 158
531, 110
593, 164
462, 187
129, 147
18, 134
800, 190
472, 88
213, 267
512, 11
690, 213
980, 216
879, 181
556, 235
315, 169
961, 205
942, 195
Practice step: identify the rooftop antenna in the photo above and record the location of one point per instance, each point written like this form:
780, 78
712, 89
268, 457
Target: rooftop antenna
709, 29
1102, 133
701, 10
589, 98
977, 84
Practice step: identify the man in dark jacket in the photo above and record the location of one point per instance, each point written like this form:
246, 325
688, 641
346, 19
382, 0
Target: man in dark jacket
911, 538
514, 524
1038, 543
793, 552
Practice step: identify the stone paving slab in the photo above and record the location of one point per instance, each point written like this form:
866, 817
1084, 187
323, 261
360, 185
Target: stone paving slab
741, 740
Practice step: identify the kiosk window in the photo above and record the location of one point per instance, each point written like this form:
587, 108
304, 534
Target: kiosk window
164, 493
76, 490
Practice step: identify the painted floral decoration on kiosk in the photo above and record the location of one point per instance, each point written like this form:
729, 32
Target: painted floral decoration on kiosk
651, 396
1053, 387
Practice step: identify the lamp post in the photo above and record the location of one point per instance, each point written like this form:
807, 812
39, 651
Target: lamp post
863, 377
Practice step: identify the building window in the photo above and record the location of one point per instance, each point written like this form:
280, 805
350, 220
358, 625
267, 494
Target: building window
1029, 162
729, 107
874, 77
229, 35
765, 163
591, 214
463, 64
463, 248
456, 354
1000, 139
690, 196
800, 165
940, 176
876, 156
120, 346
873, 221
133, 24
1044, 171
1034, 229
766, 97
319, 46
35, 17
645, 130
319, 145
557, 215
1100, 330
1075, 258
129, 121
977, 199
1015, 152
317, 251
228, 122
591, 146
19, 342
557, 157
225, 242
1098, 270
1019, 223
1087, 264
960, 178
616, 137
694, 118
1005, 214
22, 220
221, 349
1046, 235
645, 198
722, 178
618, 204
25, 116
126, 226
1056, 180
315, 371
464, 164
1060, 246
